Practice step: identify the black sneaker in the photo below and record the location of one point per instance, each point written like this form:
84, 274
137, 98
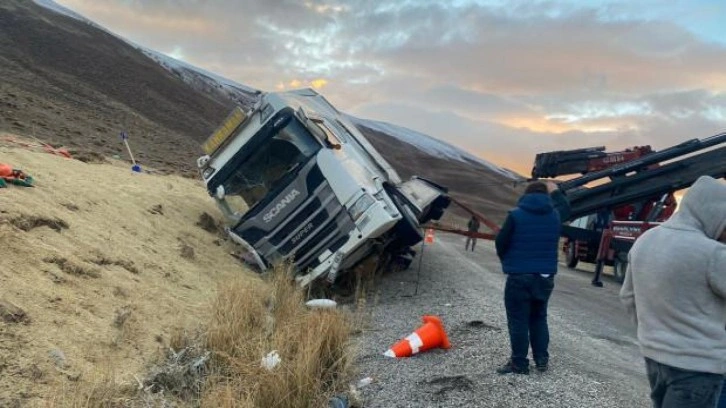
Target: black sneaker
510, 368
541, 366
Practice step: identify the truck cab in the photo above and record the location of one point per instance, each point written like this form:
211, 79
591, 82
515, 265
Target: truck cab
298, 182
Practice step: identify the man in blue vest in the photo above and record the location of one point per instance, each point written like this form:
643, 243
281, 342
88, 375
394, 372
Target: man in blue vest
527, 246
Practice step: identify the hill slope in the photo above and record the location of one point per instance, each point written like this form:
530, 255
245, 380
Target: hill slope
63, 88
473, 183
106, 264
70, 83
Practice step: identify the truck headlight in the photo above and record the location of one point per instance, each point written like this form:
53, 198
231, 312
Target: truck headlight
360, 206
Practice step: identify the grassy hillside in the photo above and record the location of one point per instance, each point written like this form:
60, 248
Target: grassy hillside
106, 273
105, 263
67, 82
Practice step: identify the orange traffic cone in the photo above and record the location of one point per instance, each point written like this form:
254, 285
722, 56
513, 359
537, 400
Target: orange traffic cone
430, 335
429, 237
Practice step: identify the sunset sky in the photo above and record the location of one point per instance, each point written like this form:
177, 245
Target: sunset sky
502, 79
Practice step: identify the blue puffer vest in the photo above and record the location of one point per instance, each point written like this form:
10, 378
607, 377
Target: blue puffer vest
535, 240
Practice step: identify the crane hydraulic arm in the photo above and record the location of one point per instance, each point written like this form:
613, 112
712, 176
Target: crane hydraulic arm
622, 190
626, 177
654, 174
583, 161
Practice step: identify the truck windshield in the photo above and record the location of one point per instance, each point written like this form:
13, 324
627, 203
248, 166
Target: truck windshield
281, 155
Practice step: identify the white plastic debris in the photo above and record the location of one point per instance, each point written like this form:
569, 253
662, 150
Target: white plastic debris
321, 304
271, 360
364, 382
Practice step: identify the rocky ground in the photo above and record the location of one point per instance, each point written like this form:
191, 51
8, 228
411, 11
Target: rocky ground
594, 358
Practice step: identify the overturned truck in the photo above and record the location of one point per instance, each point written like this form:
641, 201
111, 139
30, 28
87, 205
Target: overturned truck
298, 182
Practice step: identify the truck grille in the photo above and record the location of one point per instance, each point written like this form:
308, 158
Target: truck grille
320, 223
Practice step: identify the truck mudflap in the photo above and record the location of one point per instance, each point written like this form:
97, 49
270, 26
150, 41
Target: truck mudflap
426, 199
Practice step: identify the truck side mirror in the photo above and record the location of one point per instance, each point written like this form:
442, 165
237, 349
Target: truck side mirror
327, 136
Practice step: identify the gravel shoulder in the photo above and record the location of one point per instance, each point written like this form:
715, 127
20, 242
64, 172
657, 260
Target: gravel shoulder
595, 361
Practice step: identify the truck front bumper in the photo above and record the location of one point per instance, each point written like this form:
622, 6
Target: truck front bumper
376, 221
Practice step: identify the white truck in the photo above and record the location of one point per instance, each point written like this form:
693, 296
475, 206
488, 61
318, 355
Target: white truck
298, 181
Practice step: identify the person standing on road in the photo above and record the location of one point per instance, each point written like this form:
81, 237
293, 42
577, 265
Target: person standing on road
473, 226
527, 246
675, 292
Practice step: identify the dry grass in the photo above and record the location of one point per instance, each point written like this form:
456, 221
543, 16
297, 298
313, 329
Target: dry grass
103, 392
249, 322
221, 367
72, 268
101, 260
101, 280
28, 222
81, 246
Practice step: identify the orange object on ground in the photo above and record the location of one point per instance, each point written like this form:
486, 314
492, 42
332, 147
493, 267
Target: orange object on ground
5, 170
429, 336
59, 152
429, 238
14, 176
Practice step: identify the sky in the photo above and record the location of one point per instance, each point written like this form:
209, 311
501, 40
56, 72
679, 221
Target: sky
501, 79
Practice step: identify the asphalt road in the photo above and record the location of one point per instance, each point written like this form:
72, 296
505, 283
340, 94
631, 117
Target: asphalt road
594, 357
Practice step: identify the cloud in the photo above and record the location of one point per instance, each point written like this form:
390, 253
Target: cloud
501, 79
318, 83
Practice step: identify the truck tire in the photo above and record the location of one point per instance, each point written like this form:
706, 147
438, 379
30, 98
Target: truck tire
620, 265
571, 257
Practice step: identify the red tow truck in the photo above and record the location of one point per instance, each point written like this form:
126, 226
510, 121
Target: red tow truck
620, 195
621, 225
616, 197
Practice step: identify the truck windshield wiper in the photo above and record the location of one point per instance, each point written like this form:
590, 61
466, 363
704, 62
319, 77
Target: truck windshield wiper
291, 169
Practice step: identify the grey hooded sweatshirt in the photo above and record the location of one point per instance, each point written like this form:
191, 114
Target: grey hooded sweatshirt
675, 284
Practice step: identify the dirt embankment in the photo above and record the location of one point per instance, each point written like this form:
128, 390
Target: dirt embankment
119, 290
99, 267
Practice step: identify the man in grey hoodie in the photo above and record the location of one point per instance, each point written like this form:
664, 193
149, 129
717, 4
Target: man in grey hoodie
675, 290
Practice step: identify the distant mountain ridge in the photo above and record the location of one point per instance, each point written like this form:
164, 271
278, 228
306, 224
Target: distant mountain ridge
169, 107
246, 96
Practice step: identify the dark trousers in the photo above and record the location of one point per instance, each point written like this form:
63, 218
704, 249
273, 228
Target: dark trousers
722, 400
472, 241
677, 388
525, 299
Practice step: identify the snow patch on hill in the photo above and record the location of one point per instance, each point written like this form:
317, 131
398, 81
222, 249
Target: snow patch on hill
51, 5
430, 145
196, 76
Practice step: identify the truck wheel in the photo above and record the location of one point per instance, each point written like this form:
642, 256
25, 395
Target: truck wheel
620, 265
572, 255
402, 262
